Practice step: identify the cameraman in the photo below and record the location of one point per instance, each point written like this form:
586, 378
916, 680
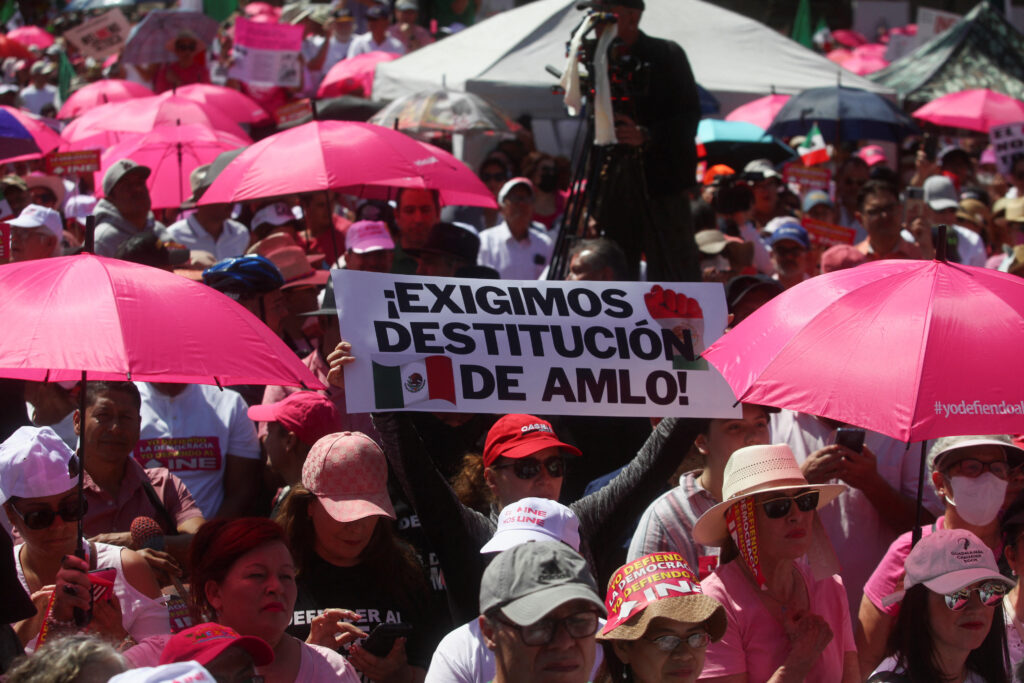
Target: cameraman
733, 200
656, 158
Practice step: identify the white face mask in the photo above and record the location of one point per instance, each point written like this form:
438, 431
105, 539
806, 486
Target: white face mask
978, 500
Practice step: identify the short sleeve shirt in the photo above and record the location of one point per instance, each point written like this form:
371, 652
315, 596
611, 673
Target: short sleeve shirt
108, 515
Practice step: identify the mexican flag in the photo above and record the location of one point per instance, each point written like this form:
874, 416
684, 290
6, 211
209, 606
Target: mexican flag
813, 150
423, 379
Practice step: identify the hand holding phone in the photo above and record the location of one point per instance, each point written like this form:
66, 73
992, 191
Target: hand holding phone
382, 638
850, 437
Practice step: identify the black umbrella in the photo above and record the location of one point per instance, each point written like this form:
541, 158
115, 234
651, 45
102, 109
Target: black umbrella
843, 113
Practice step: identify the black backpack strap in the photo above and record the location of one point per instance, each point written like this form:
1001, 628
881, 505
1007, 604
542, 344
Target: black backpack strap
163, 516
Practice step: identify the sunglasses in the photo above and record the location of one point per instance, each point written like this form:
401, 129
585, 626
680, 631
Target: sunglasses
670, 643
776, 508
528, 468
69, 509
579, 625
990, 593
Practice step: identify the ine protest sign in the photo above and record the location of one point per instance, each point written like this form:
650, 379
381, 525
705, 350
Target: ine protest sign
554, 348
1008, 143
267, 54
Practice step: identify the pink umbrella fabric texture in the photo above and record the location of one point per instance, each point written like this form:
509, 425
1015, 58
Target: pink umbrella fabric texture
863, 64
118, 320
849, 37
237, 106
977, 109
359, 158
101, 92
45, 137
172, 153
353, 76
760, 112
912, 349
31, 36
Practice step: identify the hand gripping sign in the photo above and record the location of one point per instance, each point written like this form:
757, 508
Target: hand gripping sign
551, 348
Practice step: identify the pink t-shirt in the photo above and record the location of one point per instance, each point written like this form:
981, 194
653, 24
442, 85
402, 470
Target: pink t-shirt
755, 642
888, 575
322, 664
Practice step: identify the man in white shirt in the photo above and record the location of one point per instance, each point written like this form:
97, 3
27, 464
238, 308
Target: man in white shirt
377, 38
941, 198
210, 228
517, 248
39, 92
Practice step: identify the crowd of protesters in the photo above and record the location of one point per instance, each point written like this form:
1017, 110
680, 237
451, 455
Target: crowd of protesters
306, 542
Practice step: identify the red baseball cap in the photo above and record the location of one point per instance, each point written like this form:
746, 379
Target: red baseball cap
204, 643
520, 436
307, 414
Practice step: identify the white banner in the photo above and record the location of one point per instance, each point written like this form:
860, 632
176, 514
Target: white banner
527, 346
932, 22
1008, 143
101, 36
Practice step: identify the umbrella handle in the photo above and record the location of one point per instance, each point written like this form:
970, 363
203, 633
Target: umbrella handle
82, 617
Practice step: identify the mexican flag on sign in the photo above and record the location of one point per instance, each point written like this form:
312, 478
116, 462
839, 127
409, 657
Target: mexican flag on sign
423, 379
813, 150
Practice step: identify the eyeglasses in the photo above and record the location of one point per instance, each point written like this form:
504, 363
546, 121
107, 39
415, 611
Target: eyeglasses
777, 508
528, 468
669, 643
579, 625
69, 509
971, 468
888, 209
990, 593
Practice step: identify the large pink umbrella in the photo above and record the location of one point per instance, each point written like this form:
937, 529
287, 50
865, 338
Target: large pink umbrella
977, 109
912, 349
848, 37
45, 137
31, 36
143, 115
101, 92
760, 112
116, 320
359, 158
353, 76
172, 153
863, 64
839, 55
237, 106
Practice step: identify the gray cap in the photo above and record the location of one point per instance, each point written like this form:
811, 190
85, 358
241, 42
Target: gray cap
940, 194
118, 170
533, 579
402, 5
947, 444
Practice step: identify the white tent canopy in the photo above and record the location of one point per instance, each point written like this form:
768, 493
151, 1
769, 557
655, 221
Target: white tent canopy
503, 58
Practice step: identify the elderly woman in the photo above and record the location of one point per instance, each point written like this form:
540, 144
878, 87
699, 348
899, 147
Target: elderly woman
38, 474
949, 627
785, 621
659, 623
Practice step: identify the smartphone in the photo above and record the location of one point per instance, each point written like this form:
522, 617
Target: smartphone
102, 581
382, 639
850, 437
931, 146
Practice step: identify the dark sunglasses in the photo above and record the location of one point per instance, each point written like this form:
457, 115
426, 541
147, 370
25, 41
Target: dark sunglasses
990, 593
777, 508
579, 625
69, 509
528, 468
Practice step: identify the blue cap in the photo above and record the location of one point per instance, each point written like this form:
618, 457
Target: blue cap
789, 231
814, 198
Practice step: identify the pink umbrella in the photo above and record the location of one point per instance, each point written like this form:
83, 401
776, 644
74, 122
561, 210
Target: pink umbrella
912, 349
45, 137
116, 320
848, 37
353, 76
760, 112
101, 92
237, 106
864, 64
839, 55
31, 36
144, 114
358, 158
978, 109
870, 50
172, 152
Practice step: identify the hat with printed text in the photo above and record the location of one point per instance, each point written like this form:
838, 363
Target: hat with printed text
365, 236
205, 642
35, 216
35, 463
308, 415
348, 473
534, 519
520, 436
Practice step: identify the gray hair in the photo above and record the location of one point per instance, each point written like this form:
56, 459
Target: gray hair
63, 660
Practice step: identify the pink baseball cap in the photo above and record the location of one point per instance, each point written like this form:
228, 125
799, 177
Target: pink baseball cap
307, 414
871, 154
534, 519
367, 236
348, 473
840, 257
203, 643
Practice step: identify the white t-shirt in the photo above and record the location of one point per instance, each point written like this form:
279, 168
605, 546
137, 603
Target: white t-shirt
515, 259
365, 43
233, 239
192, 433
463, 657
35, 99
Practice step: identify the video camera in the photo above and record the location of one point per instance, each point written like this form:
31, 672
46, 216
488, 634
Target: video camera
628, 76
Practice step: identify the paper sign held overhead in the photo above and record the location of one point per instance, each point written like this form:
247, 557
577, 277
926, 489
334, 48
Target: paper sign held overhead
66, 163
101, 36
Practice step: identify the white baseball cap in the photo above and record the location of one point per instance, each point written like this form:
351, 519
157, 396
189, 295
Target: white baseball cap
277, 213
35, 216
367, 236
179, 672
534, 519
35, 463
515, 182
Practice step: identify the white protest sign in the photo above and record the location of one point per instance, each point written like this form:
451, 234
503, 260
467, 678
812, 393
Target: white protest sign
871, 15
266, 55
1008, 143
932, 22
515, 346
100, 37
